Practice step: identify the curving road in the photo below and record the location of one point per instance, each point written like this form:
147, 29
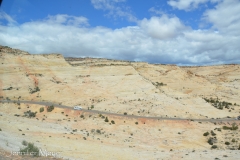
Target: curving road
120, 115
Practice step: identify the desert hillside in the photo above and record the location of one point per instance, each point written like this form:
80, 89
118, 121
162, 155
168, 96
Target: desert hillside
123, 87
120, 86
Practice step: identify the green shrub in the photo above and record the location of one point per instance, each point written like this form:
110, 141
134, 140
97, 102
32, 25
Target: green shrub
112, 121
159, 84
227, 143
233, 127
213, 134
36, 89
136, 123
30, 114
41, 109
10, 88
30, 148
106, 119
24, 143
226, 128
125, 113
210, 141
98, 131
214, 146
205, 134
50, 108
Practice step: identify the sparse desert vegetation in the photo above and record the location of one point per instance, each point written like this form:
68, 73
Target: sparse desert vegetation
50, 108
221, 139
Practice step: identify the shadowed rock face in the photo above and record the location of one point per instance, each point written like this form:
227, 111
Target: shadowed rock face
136, 88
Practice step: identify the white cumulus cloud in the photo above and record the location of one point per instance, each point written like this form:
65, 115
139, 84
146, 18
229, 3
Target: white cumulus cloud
225, 17
6, 17
114, 9
161, 39
188, 4
185, 4
162, 27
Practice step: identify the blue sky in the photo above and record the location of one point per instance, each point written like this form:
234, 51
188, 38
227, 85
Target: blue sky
26, 10
183, 32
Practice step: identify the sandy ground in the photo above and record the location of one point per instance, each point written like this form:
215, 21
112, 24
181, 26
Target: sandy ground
149, 139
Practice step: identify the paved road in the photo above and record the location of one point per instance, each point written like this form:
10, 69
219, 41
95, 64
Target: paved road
121, 115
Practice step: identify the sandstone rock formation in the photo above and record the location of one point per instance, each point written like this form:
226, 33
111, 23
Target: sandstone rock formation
138, 88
